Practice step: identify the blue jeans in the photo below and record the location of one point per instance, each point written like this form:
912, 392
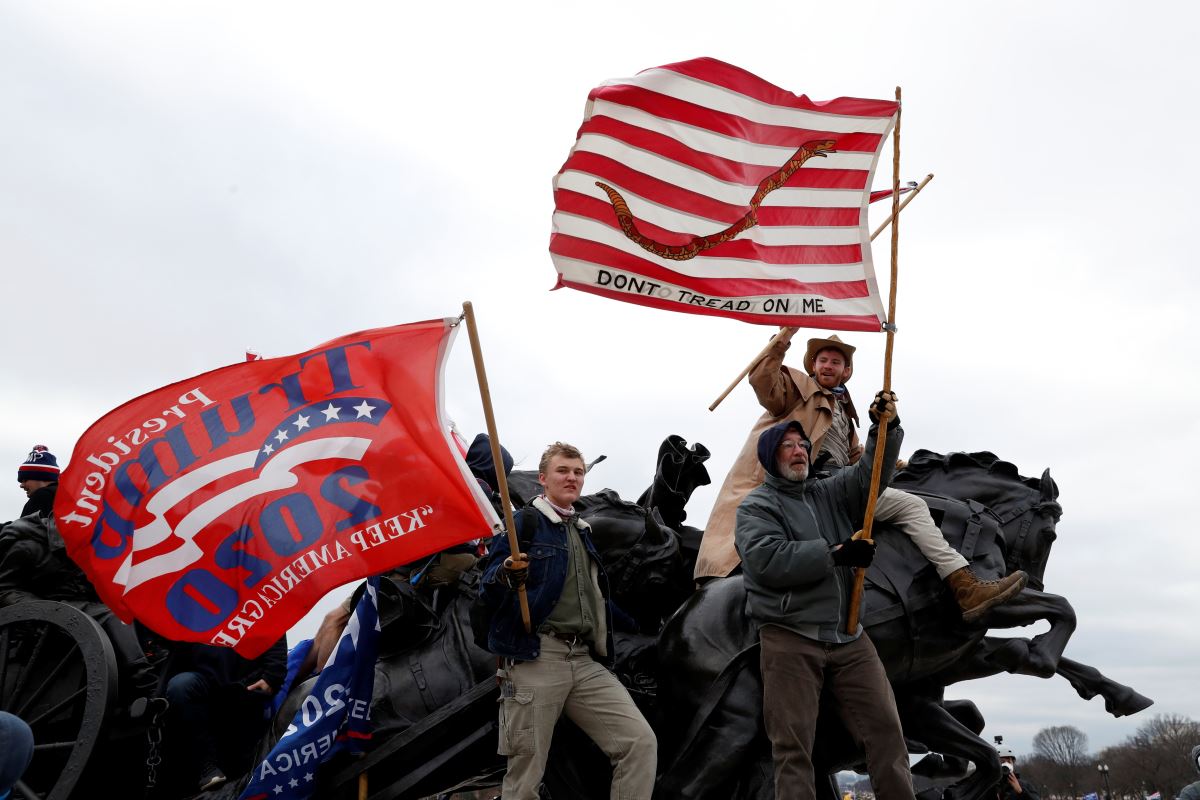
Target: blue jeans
191, 696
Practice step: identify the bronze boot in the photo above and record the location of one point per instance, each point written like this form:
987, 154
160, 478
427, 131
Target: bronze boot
976, 597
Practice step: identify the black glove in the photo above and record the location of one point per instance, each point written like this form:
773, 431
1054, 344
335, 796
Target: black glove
516, 572
854, 553
884, 403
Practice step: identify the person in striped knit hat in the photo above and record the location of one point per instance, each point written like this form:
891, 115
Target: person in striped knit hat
38, 476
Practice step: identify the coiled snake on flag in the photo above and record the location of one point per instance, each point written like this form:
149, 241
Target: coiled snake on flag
698, 244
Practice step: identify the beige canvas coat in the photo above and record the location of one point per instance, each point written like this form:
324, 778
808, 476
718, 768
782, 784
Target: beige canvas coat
786, 394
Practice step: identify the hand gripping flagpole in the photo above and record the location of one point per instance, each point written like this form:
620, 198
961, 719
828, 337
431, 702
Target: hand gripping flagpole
881, 436
786, 334
497, 459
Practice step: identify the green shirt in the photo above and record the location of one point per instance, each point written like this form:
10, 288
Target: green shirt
580, 605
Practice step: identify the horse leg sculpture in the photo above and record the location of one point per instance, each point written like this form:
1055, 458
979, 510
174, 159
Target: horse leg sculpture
940, 728
997, 655
1040, 655
1119, 699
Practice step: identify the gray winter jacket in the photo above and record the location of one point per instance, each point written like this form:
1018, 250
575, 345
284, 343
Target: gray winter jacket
1192, 790
785, 533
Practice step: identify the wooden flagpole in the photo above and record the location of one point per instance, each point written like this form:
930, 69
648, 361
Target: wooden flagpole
896, 210
786, 334
497, 459
881, 437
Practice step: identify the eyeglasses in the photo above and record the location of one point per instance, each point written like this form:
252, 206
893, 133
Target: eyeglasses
792, 444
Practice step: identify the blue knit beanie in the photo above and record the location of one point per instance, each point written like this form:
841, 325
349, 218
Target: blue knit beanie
768, 443
41, 465
479, 459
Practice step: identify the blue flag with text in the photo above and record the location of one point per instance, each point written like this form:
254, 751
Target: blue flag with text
334, 717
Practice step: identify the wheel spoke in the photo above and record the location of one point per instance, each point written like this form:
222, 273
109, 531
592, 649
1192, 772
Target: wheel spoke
80, 692
49, 679
58, 672
37, 748
43, 633
22, 789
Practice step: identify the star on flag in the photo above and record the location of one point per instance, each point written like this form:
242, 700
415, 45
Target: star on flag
307, 421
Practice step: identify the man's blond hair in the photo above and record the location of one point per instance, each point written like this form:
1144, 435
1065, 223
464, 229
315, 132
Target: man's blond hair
558, 449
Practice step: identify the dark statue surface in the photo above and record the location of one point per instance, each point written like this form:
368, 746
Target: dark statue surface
693, 668
1000, 521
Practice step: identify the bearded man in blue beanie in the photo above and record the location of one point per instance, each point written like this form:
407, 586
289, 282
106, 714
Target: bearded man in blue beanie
794, 536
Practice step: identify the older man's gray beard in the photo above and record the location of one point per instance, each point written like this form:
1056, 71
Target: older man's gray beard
793, 474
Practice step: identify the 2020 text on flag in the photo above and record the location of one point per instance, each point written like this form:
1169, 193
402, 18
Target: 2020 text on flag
220, 508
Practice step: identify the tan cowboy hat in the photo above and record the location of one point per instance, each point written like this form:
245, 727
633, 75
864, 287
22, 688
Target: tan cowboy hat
817, 345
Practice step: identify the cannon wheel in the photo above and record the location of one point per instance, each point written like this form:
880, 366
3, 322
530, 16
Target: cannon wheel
59, 674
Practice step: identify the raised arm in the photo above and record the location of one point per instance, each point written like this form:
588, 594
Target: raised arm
774, 387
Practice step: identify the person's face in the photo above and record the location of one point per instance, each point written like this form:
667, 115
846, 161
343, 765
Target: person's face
830, 369
1012, 762
30, 485
792, 456
563, 480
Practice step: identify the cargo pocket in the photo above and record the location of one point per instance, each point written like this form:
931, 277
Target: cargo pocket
516, 725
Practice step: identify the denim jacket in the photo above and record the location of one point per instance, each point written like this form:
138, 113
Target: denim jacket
547, 573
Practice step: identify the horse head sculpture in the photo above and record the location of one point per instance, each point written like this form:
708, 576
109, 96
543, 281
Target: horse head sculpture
1027, 508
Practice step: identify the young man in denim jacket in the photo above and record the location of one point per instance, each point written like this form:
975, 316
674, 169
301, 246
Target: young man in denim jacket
559, 665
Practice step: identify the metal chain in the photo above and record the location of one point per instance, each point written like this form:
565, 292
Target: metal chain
154, 738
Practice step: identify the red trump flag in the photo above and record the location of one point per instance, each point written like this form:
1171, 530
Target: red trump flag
220, 508
700, 187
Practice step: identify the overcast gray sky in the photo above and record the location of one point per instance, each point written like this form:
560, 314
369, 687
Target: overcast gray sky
183, 181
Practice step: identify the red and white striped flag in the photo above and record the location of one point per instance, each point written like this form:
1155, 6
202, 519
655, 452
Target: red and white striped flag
699, 187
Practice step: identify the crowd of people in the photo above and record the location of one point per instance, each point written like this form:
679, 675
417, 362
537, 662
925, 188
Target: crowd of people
785, 519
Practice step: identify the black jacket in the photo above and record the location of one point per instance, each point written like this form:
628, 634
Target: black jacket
226, 668
34, 565
41, 502
1005, 791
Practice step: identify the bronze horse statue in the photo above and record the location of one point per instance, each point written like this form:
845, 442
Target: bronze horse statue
999, 521
692, 665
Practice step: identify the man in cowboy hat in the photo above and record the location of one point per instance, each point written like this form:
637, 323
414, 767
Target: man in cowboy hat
818, 399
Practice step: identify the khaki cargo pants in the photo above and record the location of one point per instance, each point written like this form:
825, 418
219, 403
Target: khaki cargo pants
565, 679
